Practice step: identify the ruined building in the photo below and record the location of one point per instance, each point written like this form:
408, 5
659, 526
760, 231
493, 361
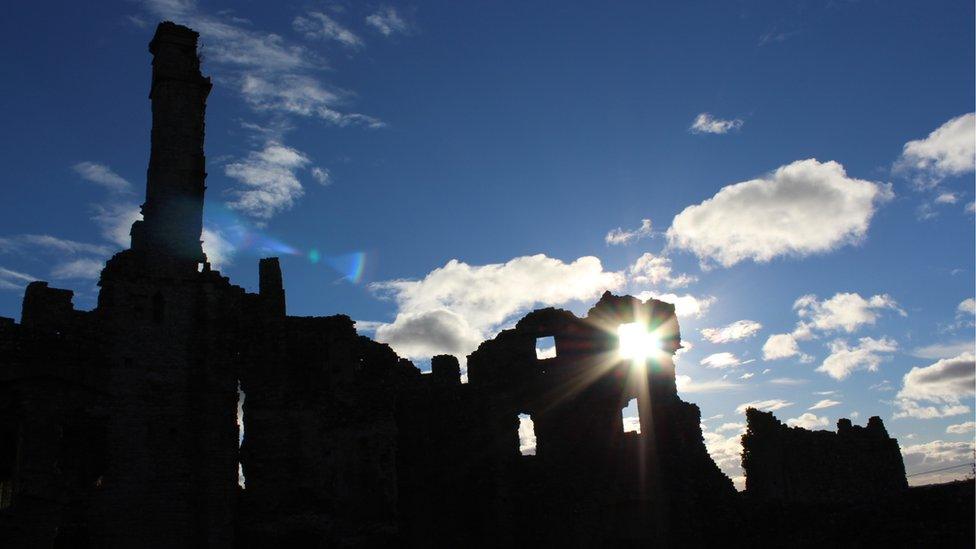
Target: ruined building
118, 426
794, 464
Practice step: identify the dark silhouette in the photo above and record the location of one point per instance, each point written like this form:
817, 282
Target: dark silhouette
118, 426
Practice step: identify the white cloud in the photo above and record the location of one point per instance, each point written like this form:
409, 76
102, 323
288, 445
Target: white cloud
14, 280
620, 236
843, 311
937, 452
787, 381
322, 175
747, 375
655, 270
949, 150
738, 428
632, 424
688, 386
387, 21
218, 249
866, 355
724, 445
455, 307
944, 350
740, 329
779, 346
779, 214
84, 268
102, 175
706, 123
428, 333
971, 207
765, 405
913, 409
317, 25
946, 197
115, 220
685, 305
826, 403
961, 428
936, 455
947, 380
967, 306
808, 421
269, 176
721, 360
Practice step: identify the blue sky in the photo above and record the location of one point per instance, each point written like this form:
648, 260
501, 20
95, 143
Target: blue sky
806, 167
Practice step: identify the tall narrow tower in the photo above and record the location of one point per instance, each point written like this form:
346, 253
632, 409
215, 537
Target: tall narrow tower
173, 211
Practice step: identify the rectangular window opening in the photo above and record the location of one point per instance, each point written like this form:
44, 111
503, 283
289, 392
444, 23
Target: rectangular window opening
631, 417
545, 347
526, 433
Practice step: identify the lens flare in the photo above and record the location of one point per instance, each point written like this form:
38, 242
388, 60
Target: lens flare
350, 266
245, 238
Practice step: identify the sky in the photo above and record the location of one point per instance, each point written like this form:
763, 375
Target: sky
797, 176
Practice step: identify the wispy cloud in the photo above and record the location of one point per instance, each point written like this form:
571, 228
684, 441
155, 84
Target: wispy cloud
14, 280
655, 270
808, 421
769, 405
621, 236
32, 243
102, 175
301, 95
687, 385
84, 268
740, 329
270, 181
387, 21
867, 354
317, 25
720, 360
115, 220
706, 123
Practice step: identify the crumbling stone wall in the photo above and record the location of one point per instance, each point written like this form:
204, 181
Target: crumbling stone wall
319, 445
795, 464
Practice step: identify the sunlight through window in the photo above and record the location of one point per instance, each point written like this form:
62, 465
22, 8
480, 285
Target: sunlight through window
636, 343
526, 432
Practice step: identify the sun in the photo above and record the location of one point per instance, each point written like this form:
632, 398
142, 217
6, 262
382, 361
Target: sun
637, 343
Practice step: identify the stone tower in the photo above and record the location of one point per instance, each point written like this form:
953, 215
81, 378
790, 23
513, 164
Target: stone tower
173, 211
170, 331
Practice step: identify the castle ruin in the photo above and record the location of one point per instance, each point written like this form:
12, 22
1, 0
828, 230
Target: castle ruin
118, 426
